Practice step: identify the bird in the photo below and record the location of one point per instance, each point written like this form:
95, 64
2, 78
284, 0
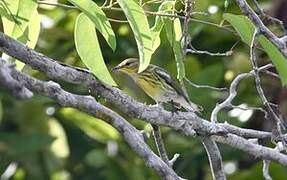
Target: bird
158, 84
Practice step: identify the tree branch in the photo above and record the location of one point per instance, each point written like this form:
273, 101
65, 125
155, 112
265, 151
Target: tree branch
247, 10
233, 91
17, 89
88, 104
186, 122
258, 151
214, 158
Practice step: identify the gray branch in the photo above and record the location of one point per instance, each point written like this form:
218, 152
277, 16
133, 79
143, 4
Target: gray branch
17, 89
214, 158
284, 39
233, 91
88, 104
248, 11
186, 122
256, 150
265, 170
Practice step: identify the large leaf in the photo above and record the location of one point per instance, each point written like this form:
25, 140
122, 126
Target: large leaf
31, 35
246, 29
155, 33
89, 50
22, 11
140, 27
173, 31
95, 13
8, 16
22, 22
60, 146
158, 25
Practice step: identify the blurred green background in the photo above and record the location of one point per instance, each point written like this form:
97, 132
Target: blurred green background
41, 140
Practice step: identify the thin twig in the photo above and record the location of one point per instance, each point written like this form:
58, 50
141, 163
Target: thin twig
247, 10
214, 158
160, 144
16, 88
272, 74
265, 170
227, 53
233, 92
204, 86
185, 34
264, 15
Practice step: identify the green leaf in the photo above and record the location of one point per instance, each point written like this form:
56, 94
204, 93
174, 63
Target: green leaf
173, 31
155, 33
95, 13
31, 35
8, 15
22, 11
158, 25
246, 29
174, 34
32, 31
93, 127
89, 50
140, 27
22, 22
60, 146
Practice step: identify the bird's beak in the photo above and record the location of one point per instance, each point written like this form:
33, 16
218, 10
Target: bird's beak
116, 69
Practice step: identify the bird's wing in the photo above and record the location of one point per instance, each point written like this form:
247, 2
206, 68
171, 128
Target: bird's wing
172, 82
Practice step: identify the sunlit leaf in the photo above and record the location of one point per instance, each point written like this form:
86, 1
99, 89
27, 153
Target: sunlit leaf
60, 146
8, 16
88, 48
158, 25
174, 34
22, 11
155, 33
31, 35
95, 128
245, 28
173, 31
95, 13
140, 27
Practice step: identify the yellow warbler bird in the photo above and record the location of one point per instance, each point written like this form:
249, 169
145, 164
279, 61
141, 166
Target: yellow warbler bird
158, 84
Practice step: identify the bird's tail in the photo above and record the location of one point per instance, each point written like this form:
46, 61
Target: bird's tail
190, 106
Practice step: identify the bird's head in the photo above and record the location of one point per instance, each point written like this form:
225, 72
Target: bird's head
128, 66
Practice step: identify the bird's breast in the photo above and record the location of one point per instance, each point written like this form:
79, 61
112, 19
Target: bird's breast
153, 89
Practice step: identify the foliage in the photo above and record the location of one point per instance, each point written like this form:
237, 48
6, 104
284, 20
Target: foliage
45, 139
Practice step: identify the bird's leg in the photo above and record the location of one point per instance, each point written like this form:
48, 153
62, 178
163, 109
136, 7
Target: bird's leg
160, 144
174, 107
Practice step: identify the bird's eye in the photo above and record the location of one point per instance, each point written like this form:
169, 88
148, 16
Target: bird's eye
128, 63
